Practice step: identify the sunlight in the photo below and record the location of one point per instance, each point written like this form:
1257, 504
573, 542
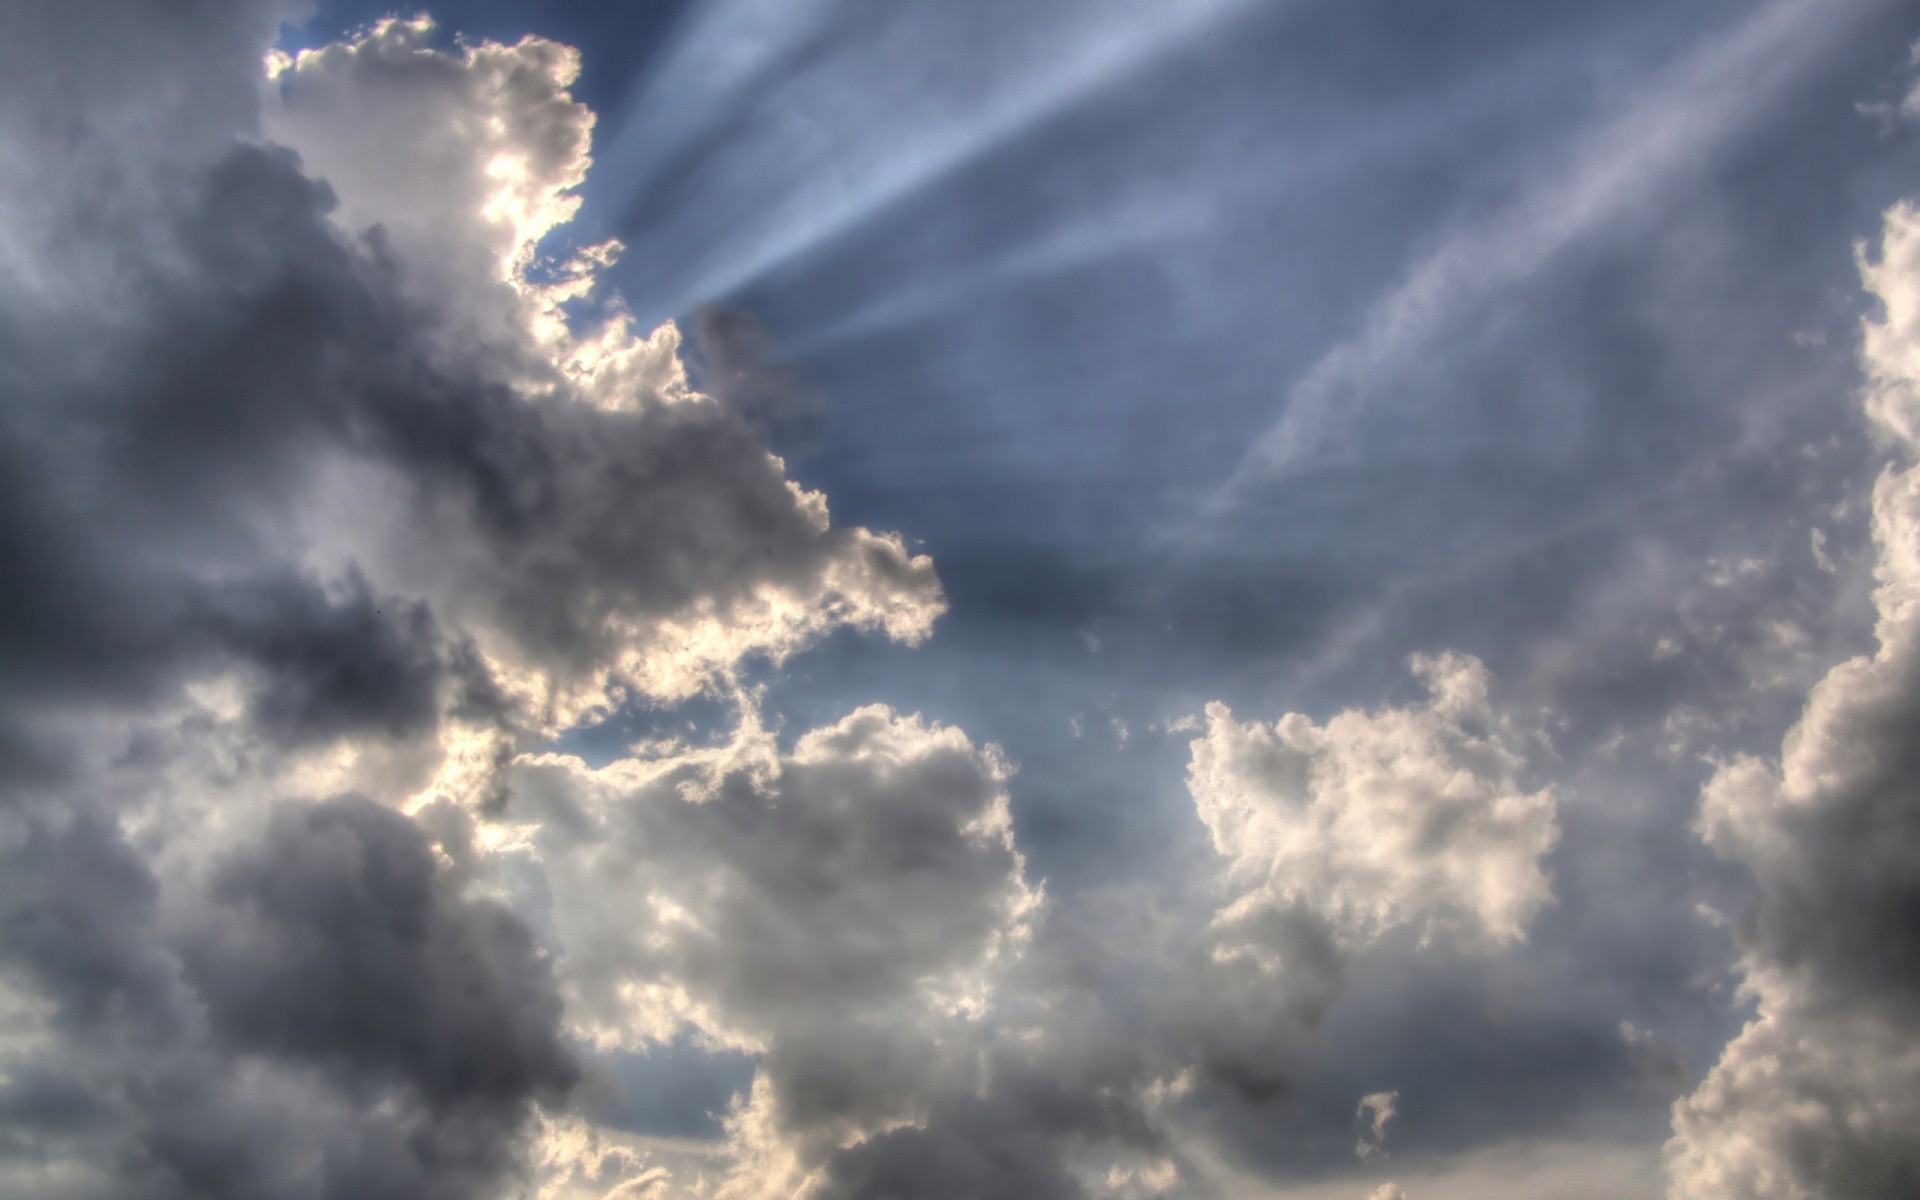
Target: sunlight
890, 158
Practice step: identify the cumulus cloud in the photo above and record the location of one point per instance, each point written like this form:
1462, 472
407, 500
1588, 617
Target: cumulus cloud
1042, 1132
1815, 1096
841, 910
326, 1018
1411, 816
323, 390
325, 495
1333, 835
631, 532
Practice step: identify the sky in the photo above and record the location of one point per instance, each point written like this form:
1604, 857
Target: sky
733, 599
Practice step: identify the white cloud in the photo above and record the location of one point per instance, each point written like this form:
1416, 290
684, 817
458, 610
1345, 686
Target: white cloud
464, 159
1375, 1110
654, 542
1331, 836
841, 910
311, 490
1816, 1096
1411, 816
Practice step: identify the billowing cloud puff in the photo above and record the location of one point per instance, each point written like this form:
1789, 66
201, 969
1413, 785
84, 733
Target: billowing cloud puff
1374, 1111
326, 1018
630, 532
840, 910
1331, 836
317, 511
473, 160
1409, 816
286, 396
1803, 1104
1817, 1095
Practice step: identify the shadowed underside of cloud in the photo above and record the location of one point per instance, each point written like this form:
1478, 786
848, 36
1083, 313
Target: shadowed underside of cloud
1333, 835
1816, 1096
326, 1018
312, 491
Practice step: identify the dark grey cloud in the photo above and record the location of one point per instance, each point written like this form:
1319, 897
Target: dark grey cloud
845, 911
307, 490
1814, 1095
326, 1019
739, 365
1016, 1139
332, 668
333, 940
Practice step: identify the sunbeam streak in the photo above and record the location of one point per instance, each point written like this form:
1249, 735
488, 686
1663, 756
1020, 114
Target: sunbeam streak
719, 66
1137, 226
1168, 217
830, 186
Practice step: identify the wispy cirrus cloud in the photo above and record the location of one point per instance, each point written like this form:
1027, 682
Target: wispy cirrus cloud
1658, 137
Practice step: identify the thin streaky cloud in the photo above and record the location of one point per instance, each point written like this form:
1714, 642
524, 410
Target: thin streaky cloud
1708, 98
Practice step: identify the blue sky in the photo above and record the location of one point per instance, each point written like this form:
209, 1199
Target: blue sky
1398, 476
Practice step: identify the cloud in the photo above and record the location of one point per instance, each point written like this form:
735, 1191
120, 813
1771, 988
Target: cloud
841, 910
325, 493
1410, 816
333, 938
310, 360
1375, 1110
1008, 1143
325, 1017
1330, 838
641, 535
1815, 1095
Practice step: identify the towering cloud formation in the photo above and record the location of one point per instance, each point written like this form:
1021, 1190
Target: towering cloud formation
1820, 1094
317, 511
630, 533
